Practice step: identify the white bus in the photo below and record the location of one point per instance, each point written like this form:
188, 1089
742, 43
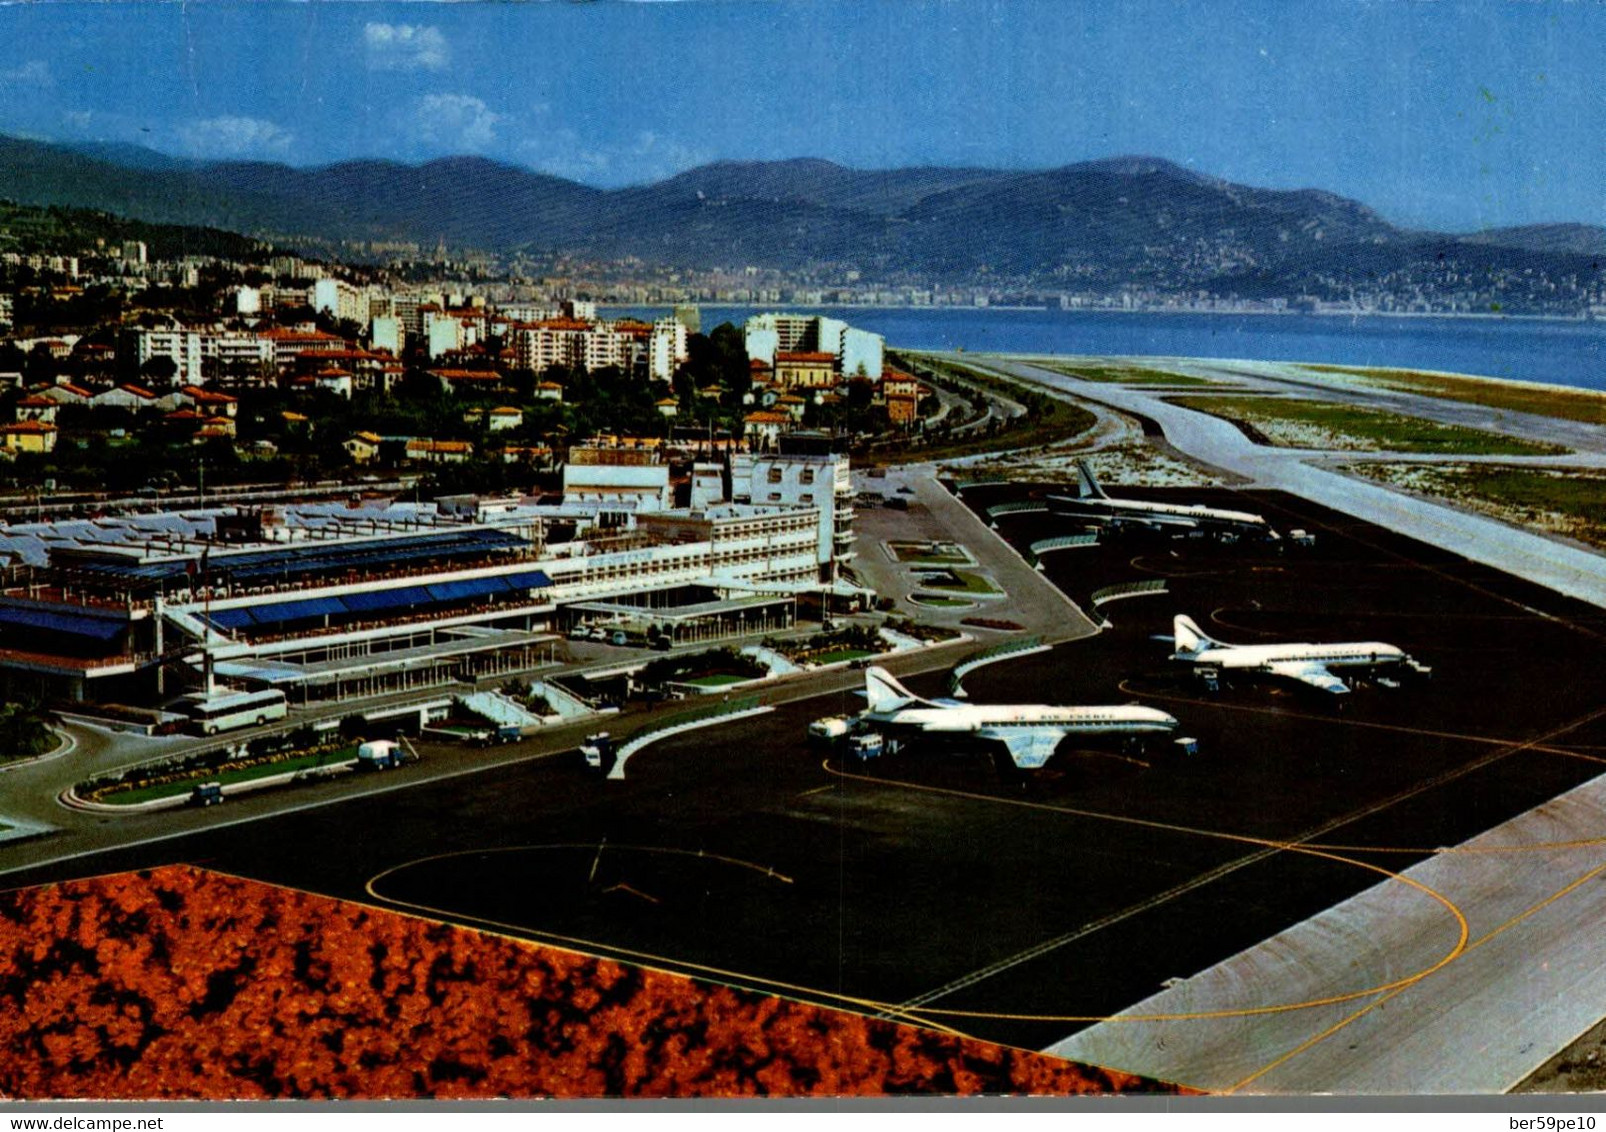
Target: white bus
235, 709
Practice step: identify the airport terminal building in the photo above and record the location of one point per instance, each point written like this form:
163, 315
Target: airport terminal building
328, 601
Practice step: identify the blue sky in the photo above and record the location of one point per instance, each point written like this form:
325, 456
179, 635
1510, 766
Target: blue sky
1453, 115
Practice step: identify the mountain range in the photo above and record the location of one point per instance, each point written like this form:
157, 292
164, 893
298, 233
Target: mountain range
1120, 221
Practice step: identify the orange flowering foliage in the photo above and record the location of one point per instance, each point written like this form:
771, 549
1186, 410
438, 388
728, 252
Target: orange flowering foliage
180, 983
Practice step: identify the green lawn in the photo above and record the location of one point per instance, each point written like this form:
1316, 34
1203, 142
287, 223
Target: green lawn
226, 777
835, 655
961, 581
1122, 375
1568, 404
1556, 501
1323, 424
717, 681
939, 600
917, 554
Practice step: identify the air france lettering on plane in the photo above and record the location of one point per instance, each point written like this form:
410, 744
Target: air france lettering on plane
1090, 500
1031, 732
1309, 664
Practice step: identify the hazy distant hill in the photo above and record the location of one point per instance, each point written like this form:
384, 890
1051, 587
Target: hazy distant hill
1569, 239
1100, 223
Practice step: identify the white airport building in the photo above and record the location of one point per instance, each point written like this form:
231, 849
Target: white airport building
331, 601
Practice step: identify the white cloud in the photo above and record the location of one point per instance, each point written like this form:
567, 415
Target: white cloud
647, 157
230, 136
405, 47
458, 123
35, 72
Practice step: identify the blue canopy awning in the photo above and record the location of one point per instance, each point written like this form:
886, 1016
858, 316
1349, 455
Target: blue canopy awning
276, 611
231, 618
95, 628
529, 580
399, 598
469, 587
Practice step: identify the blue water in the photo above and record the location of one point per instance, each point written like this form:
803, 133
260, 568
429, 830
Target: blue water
1561, 353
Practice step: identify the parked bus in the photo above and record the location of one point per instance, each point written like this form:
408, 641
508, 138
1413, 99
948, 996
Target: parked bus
236, 709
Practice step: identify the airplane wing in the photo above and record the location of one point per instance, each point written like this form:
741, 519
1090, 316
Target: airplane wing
1030, 747
1309, 672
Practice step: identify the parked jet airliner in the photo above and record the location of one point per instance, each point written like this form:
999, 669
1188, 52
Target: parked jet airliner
1031, 732
1307, 663
1091, 500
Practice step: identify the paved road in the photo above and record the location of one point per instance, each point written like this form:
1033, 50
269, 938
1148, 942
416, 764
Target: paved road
1458, 1017
1029, 600
1567, 569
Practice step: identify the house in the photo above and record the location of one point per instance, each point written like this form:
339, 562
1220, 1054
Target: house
668, 406
363, 447
68, 394
468, 382
903, 409
439, 451
288, 345
131, 397
495, 420
895, 383
28, 436
549, 391
792, 405
527, 454
503, 418
208, 401
36, 408
763, 428
805, 370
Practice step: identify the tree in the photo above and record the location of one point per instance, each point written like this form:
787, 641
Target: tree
159, 369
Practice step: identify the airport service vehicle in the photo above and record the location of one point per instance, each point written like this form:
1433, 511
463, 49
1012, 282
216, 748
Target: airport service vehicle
379, 754
211, 714
1310, 664
867, 745
1091, 501
1030, 732
207, 794
830, 728
598, 750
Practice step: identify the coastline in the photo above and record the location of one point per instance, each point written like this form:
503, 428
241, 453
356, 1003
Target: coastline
1583, 318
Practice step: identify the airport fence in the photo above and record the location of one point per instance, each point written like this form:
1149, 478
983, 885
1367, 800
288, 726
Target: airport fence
685, 721
1063, 542
1102, 597
1023, 647
1018, 507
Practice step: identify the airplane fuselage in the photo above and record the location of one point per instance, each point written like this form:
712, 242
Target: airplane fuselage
1127, 718
1196, 511
1351, 654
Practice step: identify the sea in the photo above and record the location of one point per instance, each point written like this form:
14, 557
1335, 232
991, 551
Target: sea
1553, 351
